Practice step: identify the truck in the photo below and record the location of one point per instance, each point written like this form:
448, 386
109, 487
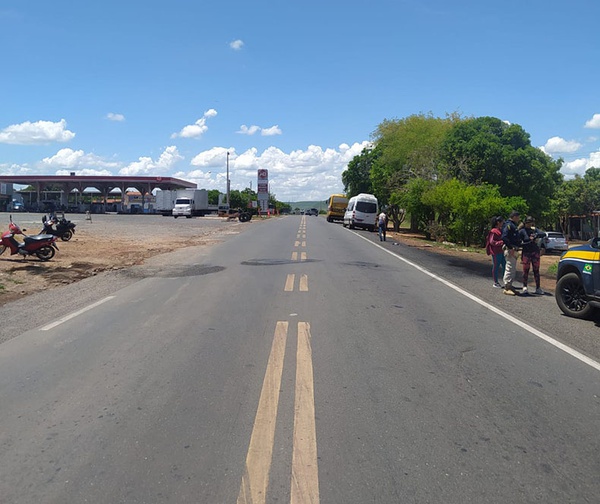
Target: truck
578, 280
165, 201
192, 202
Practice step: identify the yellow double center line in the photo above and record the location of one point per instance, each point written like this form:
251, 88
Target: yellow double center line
305, 475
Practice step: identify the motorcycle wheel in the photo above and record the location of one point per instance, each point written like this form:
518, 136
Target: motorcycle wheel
2, 249
45, 253
67, 235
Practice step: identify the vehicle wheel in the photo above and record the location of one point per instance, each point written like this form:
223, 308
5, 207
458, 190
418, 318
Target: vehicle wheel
351, 225
188, 216
570, 297
45, 253
329, 219
175, 216
67, 235
2, 249
344, 223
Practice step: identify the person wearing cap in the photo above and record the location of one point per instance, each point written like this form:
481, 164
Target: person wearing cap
512, 243
531, 254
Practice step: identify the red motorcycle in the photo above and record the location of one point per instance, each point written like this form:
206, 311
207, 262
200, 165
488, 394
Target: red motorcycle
41, 245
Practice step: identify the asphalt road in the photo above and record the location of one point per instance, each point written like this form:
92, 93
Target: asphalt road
301, 362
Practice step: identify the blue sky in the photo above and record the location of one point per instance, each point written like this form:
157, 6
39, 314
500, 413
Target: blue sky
168, 88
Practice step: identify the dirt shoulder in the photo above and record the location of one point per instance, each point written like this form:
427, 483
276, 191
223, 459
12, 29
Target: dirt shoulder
106, 243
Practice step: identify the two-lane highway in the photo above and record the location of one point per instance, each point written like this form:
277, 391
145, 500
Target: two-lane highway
296, 362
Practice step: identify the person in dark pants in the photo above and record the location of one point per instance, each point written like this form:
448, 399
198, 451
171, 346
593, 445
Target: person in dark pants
530, 257
382, 225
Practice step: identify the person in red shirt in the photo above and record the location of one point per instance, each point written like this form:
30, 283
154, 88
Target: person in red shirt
493, 247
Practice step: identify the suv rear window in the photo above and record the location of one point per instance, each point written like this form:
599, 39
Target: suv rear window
366, 207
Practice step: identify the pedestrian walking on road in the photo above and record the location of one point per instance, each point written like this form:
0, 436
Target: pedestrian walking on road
382, 225
530, 257
512, 244
493, 247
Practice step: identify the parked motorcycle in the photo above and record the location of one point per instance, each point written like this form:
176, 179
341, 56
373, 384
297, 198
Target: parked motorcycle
64, 228
42, 245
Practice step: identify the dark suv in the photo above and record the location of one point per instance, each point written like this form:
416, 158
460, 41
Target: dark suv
578, 280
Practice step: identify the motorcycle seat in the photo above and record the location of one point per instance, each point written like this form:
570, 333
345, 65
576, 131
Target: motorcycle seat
40, 237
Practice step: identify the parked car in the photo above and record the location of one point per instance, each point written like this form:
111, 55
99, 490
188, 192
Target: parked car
554, 241
578, 280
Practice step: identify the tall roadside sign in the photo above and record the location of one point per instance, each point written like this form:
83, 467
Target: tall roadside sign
263, 190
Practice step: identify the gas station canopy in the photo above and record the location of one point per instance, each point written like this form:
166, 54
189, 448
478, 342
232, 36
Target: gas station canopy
104, 184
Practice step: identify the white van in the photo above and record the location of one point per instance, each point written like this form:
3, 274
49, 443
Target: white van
361, 212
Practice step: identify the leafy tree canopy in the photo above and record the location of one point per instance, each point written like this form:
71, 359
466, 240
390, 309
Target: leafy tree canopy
488, 150
410, 148
356, 178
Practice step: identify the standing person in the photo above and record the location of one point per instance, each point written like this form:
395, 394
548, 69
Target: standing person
493, 247
531, 254
382, 225
512, 243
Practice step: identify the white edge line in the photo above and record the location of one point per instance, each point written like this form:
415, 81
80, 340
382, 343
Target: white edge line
565, 348
75, 314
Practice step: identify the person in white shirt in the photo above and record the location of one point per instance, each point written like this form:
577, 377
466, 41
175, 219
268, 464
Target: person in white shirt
382, 225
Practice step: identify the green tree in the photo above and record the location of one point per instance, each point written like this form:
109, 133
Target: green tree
463, 210
592, 175
356, 178
488, 150
410, 198
410, 148
213, 196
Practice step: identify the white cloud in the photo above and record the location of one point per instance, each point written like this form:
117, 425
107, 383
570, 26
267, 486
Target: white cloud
86, 172
236, 45
310, 174
303, 174
557, 144
40, 132
213, 158
594, 122
147, 166
245, 130
579, 166
15, 169
273, 130
251, 130
197, 129
75, 160
115, 117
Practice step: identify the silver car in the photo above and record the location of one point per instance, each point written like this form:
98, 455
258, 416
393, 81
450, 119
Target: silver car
554, 241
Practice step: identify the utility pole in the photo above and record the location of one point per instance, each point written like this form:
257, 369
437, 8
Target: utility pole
228, 178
